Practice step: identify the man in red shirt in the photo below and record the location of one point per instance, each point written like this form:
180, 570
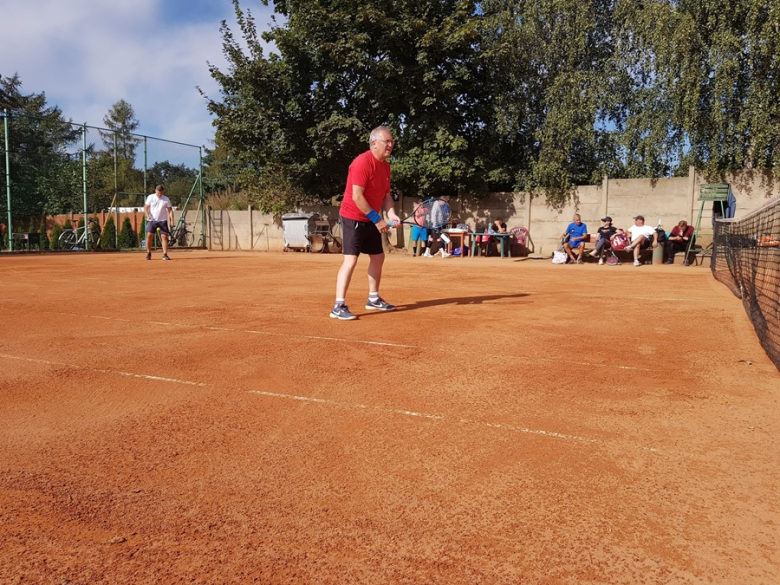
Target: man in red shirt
367, 194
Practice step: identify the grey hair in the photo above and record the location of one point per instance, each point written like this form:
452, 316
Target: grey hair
376, 132
577, 216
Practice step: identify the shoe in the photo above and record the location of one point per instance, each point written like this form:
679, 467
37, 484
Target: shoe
414, 255
594, 253
445, 254
670, 261
637, 263
579, 261
342, 312
148, 255
628, 248
379, 305
427, 254
601, 261
165, 257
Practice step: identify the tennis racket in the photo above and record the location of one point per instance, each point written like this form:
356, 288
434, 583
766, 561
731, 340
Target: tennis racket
431, 214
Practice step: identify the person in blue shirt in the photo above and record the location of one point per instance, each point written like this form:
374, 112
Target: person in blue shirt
575, 236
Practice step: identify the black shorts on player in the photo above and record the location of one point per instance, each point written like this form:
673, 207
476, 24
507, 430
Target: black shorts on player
360, 237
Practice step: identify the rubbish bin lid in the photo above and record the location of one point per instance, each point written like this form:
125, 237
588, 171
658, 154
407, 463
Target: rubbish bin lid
287, 216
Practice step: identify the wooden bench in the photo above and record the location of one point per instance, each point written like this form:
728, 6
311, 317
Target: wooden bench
623, 255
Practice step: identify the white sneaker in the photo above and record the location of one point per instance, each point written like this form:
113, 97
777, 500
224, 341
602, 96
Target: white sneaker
445, 254
594, 253
427, 254
628, 248
601, 261
637, 263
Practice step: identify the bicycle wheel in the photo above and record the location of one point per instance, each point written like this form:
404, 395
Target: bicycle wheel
67, 240
187, 239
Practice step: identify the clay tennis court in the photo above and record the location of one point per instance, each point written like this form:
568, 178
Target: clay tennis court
204, 421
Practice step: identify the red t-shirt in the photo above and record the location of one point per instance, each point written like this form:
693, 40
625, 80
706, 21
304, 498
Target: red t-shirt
374, 176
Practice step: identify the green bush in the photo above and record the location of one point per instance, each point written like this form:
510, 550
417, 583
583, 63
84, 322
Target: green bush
56, 232
127, 236
44, 236
108, 237
95, 232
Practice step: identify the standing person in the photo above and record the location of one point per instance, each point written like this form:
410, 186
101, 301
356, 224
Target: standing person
642, 237
578, 235
678, 241
159, 215
605, 237
418, 233
366, 195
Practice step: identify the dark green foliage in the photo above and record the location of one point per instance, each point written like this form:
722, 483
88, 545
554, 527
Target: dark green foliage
500, 94
45, 244
127, 236
94, 228
108, 237
56, 232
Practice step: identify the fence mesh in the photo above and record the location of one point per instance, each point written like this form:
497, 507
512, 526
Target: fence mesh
746, 258
51, 167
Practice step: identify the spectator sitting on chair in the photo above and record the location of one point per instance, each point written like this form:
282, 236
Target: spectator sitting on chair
577, 233
642, 237
436, 245
605, 234
497, 227
678, 241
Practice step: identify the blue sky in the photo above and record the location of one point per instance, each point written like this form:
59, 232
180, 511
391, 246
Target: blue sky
88, 54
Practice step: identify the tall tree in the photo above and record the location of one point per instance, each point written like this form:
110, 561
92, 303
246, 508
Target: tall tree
122, 122
44, 177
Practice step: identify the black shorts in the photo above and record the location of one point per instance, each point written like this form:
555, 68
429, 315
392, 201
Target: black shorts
360, 237
151, 227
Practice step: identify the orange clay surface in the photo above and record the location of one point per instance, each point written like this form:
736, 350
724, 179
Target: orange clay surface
204, 421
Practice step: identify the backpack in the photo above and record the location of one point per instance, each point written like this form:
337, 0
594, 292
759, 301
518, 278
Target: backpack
618, 242
661, 235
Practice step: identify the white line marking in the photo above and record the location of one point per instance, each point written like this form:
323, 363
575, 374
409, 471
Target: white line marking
326, 402
102, 371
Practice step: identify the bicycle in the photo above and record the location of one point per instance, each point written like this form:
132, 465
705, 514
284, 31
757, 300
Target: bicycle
81, 237
181, 236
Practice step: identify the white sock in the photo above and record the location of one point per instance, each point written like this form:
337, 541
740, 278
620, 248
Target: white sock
340, 301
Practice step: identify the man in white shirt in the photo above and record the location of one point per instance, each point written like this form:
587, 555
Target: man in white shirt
159, 215
642, 237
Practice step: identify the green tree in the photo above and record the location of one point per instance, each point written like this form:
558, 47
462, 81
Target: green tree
44, 235
127, 236
56, 232
142, 231
108, 236
293, 122
121, 122
94, 230
42, 172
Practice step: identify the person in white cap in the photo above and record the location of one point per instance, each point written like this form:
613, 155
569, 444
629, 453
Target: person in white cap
642, 237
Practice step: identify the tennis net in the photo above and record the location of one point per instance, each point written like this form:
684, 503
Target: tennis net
746, 258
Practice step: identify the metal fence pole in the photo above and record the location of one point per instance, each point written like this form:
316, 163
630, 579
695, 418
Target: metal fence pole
84, 181
8, 180
202, 207
116, 196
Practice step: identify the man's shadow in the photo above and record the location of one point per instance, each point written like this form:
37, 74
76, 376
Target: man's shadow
476, 300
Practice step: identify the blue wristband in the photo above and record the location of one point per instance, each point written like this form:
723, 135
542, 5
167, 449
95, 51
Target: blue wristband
374, 216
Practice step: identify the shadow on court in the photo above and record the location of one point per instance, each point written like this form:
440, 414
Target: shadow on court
475, 300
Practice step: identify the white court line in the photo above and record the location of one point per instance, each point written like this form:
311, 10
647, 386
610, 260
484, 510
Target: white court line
328, 402
102, 371
357, 341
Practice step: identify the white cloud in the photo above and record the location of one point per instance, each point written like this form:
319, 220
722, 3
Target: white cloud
86, 55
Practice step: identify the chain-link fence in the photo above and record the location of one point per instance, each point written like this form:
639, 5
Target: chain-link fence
51, 167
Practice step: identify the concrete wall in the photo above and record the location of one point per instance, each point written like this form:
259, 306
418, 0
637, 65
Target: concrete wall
669, 200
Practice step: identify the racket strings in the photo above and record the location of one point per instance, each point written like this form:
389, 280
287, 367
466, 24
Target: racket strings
433, 213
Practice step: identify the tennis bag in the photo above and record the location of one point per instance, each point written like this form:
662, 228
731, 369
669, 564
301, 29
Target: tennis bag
618, 242
559, 257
